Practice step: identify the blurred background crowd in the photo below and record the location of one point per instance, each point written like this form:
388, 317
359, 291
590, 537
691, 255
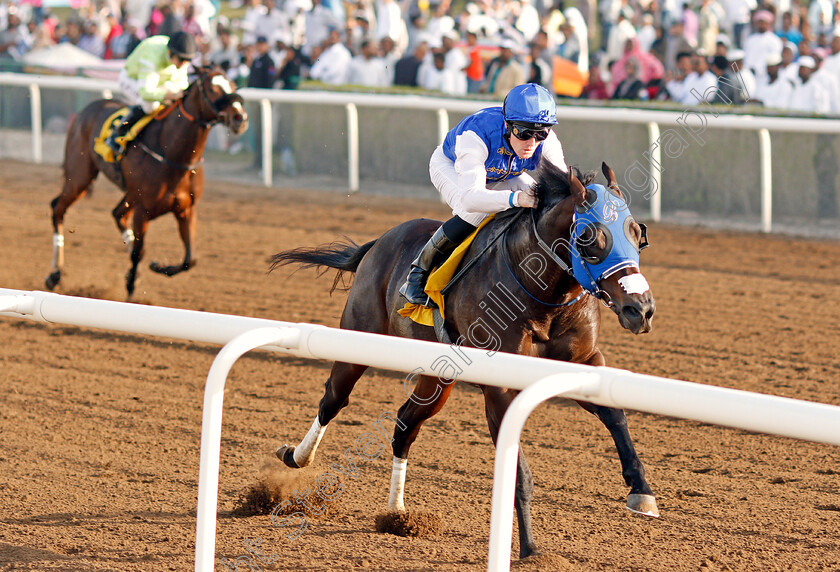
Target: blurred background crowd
782, 54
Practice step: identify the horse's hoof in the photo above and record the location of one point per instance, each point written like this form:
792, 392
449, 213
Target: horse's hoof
643, 504
52, 280
529, 552
286, 453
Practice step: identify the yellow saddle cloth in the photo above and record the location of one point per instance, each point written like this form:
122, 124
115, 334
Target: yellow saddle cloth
438, 279
101, 148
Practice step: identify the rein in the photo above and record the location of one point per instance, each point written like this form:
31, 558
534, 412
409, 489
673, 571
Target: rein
463, 270
161, 159
560, 262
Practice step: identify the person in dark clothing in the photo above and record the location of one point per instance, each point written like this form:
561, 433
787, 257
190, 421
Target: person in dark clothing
630, 87
539, 71
407, 68
263, 74
288, 71
729, 90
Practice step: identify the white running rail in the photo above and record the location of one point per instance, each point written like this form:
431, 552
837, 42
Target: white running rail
539, 379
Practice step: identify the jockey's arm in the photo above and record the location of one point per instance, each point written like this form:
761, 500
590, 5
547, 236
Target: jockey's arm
166, 84
151, 89
470, 155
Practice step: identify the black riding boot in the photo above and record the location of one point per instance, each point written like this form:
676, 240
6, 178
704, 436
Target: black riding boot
437, 250
135, 114
433, 253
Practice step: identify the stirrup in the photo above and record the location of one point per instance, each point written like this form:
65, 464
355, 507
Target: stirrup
425, 300
112, 144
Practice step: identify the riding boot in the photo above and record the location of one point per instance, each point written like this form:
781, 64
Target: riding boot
135, 114
433, 253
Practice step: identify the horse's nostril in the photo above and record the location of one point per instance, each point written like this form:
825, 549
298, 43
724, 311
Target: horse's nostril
649, 313
631, 312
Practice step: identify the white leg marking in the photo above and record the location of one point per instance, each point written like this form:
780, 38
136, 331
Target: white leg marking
396, 499
128, 238
58, 251
305, 452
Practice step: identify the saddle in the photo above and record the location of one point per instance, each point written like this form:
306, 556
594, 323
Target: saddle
99, 145
438, 280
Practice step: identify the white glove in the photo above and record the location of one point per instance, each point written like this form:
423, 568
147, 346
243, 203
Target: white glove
525, 198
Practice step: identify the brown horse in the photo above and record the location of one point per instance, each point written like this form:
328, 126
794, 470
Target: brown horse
545, 312
161, 171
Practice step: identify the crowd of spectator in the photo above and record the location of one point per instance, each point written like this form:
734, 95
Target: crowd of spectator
782, 54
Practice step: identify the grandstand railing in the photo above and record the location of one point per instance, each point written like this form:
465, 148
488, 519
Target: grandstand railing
762, 125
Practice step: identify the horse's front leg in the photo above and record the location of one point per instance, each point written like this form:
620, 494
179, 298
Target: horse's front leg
187, 223
428, 397
641, 499
496, 402
141, 225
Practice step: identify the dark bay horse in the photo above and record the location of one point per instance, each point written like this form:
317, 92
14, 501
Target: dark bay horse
161, 171
548, 313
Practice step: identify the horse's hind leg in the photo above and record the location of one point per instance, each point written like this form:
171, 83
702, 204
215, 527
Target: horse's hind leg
496, 402
340, 384
187, 221
75, 186
428, 397
121, 213
141, 224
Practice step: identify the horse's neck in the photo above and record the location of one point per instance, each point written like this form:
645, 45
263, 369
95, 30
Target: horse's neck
185, 138
527, 256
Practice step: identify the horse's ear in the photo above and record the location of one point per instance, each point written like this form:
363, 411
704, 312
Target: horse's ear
612, 183
578, 191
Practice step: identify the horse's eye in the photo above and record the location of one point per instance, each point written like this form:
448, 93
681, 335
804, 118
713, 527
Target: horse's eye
594, 243
635, 234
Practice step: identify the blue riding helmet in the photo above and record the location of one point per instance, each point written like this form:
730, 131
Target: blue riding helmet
530, 103
609, 213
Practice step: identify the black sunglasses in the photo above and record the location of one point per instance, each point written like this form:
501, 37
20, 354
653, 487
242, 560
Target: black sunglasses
524, 134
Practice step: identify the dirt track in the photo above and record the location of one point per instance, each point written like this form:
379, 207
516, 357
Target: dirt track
99, 431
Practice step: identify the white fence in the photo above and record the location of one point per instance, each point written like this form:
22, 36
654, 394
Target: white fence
539, 379
691, 119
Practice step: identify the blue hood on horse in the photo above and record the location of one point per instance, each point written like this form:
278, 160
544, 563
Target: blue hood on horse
609, 213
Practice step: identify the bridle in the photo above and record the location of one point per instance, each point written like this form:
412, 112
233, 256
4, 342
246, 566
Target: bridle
219, 105
554, 256
617, 255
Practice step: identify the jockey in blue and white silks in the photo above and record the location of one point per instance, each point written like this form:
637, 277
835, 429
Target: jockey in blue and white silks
481, 168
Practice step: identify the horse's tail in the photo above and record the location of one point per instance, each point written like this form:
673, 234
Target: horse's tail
344, 256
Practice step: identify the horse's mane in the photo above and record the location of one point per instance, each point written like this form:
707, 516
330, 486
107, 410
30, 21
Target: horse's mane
553, 184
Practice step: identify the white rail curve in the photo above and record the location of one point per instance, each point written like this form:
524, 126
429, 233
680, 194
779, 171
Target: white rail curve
539, 379
690, 118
